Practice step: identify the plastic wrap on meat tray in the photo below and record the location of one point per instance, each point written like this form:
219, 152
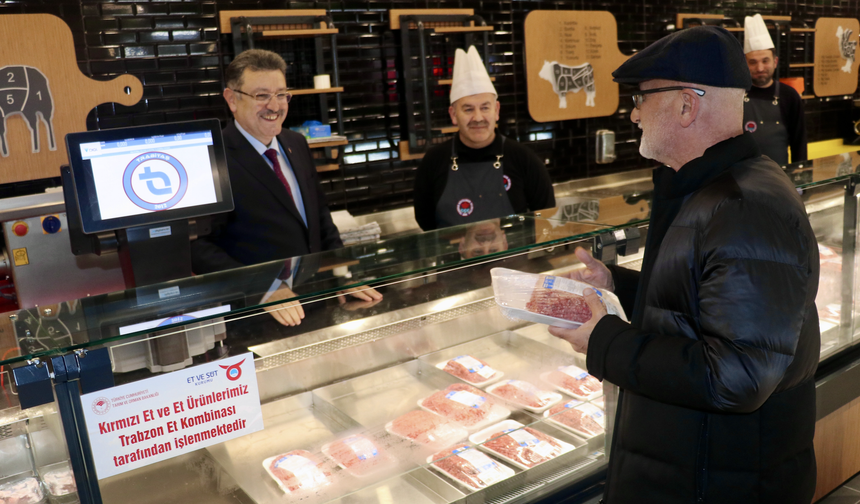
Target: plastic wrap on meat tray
426, 428
59, 479
461, 403
522, 446
524, 394
547, 299
586, 420
469, 466
358, 455
470, 369
297, 471
574, 381
22, 491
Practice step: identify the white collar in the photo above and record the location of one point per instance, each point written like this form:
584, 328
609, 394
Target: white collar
256, 144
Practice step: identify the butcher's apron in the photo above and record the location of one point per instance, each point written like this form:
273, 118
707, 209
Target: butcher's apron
763, 119
474, 192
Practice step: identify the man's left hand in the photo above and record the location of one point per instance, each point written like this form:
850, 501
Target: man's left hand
367, 297
578, 338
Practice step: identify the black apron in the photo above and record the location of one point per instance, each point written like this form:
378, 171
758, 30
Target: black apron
763, 119
474, 192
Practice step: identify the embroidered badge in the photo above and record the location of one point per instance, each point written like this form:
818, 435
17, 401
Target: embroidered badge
465, 207
750, 126
507, 181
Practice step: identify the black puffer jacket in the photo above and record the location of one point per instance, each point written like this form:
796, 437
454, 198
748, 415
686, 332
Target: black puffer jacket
716, 369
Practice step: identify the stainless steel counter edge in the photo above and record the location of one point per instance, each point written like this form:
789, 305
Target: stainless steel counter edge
33, 205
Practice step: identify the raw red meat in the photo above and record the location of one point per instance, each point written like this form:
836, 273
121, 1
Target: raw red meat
25, 491
504, 444
463, 470
525, 395
584, 387
575, 419
468, 415
310, 475
460, 371
423, 427
558, 304
358, 454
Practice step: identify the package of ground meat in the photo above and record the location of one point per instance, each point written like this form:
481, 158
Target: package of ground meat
585, 420
547, 299
22, 491
575, 381
426, 428
469, 467
525, 395
297, 471
358, 455
521, 446
59, 479
471, 407
470, 369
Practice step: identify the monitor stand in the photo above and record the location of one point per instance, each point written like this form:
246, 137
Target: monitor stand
154, 254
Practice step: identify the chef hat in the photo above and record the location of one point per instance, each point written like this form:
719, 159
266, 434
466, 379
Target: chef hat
470, 75
756, 36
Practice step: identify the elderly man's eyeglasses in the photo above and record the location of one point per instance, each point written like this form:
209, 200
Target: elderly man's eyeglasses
639, 97
266, 97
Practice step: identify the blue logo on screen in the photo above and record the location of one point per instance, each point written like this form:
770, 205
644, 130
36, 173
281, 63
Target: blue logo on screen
155, 181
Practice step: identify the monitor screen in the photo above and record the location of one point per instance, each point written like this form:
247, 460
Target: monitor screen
149, 174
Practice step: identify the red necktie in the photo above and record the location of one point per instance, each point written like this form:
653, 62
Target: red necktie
272, 154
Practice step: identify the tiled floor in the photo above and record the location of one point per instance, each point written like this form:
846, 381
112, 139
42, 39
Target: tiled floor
849, 493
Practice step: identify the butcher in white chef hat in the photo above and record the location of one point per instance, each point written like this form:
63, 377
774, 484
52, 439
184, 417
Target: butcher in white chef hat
773, 113
479, 174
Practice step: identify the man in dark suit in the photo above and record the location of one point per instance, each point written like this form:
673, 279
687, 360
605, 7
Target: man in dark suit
280, 209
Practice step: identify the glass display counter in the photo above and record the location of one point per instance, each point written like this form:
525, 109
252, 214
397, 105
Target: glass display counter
354, 399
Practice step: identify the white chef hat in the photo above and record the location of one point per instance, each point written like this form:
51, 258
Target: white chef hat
470, 75
756, 36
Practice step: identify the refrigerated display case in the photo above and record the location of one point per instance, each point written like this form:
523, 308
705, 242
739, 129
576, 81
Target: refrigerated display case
354, 399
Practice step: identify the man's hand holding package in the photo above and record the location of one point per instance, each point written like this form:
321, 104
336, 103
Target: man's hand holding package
595, 272
578, 338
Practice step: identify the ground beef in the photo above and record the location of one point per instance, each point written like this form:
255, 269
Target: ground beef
522, 393
358, 454
25, 491
455, 367
531, 455
575, 419
558, 304
424, 427
309, 474
575, 381
444, 403
458, 467
60, 481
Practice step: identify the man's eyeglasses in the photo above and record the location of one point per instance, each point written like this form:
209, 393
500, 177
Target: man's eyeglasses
639, 97
266, 97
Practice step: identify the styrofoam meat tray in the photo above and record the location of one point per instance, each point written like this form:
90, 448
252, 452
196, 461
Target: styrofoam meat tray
496, 414
457, 434
555, 398
496, 377
479, 437
507, 473
385, 462
545, 378
586, 408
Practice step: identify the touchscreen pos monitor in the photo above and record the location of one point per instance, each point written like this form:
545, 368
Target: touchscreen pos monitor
145, 175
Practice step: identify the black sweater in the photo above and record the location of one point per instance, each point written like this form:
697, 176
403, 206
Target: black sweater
530, 190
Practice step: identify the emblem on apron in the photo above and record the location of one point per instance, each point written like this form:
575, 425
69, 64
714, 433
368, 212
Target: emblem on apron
465, 207
507, 182
750, 126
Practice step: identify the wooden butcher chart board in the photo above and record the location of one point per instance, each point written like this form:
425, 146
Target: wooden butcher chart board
835, 59
570, 57
44, 96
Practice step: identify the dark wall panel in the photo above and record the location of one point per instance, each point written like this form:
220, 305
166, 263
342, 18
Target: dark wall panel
175, 48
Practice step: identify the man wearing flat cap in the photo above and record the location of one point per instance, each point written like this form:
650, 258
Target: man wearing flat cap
717, 401
773, 112
479, 174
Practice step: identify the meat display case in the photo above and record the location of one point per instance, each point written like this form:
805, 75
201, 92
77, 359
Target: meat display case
352, 367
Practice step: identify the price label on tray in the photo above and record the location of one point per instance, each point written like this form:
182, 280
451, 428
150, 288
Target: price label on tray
574, 372
474, 366
362, 447
466, 398
528, 440
489, 471
306, 472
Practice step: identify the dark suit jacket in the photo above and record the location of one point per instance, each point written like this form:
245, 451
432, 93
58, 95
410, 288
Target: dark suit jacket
265, 224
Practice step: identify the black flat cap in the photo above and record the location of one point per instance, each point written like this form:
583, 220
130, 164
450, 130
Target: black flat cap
706, 55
